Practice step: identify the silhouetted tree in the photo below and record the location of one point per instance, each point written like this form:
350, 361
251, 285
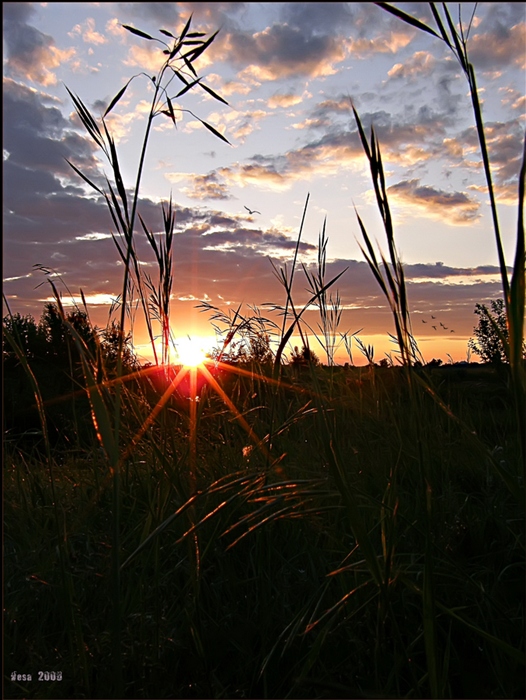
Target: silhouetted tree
61, 344
434, 363
55, 361
304, 357
488, 335
110, 339
26, 333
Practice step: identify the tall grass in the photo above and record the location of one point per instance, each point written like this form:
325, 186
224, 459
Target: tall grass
181, 53
456, 39
260, 529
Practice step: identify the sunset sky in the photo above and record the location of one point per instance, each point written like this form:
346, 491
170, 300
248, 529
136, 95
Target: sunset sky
289, 72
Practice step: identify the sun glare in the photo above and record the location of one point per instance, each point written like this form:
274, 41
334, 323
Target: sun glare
190, 351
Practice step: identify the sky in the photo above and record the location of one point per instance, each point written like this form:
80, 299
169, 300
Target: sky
289, 73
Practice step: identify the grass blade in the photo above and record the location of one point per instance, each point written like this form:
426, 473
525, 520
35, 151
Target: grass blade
212, 93
116, 99
138, 32
406, 18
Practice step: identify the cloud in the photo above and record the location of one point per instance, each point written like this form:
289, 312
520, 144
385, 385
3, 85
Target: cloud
165, 13
419, 64
19, 12
409, 140
207, 187
505, 142
228, 87
114, 27
454, 207
315, 18
389, 43
216, 257
172, 15
505, 145
284, 100
500, 37
120, 124
499, 49
88, 33
43, 138
31, 54
514, 99
340, 148
146, 56
281, 51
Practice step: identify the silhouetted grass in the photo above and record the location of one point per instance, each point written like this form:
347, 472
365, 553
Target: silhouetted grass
286, 601
261, 529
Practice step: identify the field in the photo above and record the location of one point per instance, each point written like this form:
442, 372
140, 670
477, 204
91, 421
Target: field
253, 526
257, 585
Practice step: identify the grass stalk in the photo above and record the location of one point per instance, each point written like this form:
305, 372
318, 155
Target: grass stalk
514, 290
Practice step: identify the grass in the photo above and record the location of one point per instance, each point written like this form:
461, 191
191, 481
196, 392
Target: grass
262, 529
287, 601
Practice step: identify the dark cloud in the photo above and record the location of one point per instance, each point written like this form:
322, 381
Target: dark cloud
37, 136
162, 13
19, 12
30, 53
217, 258
281, 51
167, 15
249, 241
319, 18
356, 20
499, 48
505, 141
24, 45
499, 17
440, 271
37, 141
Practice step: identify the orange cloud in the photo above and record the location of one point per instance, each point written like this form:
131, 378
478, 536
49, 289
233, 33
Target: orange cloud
207, 187
420, 63
455, 208
88, 33
43, 60
284, 100
395, 40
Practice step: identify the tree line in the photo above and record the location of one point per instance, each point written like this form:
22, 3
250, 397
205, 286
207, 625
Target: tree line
52, 355
50, 340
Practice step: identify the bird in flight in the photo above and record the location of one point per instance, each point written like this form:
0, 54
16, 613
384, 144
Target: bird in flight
424, 321
451, 331
433, 316
252, 211
442, 324
434, 327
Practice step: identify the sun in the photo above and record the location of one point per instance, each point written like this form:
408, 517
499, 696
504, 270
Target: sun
190, 351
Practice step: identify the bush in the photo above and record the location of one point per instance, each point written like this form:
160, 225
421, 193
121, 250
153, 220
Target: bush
491, 333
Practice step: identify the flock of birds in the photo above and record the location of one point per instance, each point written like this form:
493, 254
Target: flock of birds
435, 327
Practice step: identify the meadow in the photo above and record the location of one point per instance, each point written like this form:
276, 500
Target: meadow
262, 525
